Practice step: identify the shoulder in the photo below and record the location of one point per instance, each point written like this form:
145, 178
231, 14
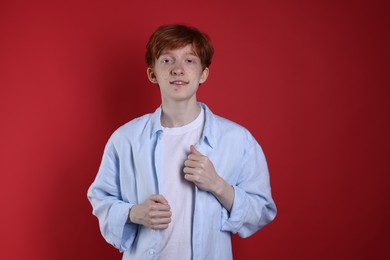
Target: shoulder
224, 122
227, 126
132, 129
219, 129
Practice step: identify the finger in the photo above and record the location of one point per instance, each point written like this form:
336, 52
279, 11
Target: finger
190, 170
194, 151
158, 216
161, 223
159, 199
187, 170
161, 207
157, 210
195, 157
159, 226
191, 178
191, 163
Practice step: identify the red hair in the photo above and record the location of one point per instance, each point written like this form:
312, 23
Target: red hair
170, 37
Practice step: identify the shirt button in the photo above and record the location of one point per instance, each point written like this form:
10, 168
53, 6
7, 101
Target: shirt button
151, 252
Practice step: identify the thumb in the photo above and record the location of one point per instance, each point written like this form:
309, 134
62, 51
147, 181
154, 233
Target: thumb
159, 199
194, 151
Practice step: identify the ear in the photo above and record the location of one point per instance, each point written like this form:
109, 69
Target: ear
151, 75
203, 77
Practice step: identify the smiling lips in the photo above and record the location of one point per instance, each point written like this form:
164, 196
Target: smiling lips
179, 82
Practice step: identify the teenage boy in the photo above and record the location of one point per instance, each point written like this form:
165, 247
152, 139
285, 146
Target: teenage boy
175, 184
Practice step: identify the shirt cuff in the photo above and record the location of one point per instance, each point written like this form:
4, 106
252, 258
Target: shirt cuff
234, 220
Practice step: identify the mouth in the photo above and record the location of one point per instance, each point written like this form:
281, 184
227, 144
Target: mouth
178, 82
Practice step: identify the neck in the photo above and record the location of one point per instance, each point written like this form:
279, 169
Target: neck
179, 113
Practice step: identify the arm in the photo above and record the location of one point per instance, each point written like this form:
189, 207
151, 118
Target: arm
200, 170
253, 206
119, 219
248, 202
108, 206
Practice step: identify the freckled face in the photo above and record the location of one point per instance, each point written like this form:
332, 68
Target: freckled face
178, 74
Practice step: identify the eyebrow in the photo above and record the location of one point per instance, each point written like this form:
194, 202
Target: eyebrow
187, 53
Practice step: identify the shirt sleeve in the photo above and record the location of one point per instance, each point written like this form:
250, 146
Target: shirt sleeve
106, 200
253, 206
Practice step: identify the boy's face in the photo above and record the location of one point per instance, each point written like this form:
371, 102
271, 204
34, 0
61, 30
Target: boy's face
178, 74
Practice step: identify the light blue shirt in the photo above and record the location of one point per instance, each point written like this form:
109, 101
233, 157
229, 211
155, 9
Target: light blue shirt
129, 174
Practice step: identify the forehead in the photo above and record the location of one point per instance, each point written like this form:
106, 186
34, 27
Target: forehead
186, 50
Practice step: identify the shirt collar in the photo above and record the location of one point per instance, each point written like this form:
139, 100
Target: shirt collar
210, 126
156, 122
209, 131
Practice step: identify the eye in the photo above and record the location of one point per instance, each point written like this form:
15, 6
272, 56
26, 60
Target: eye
166, 60
191, 60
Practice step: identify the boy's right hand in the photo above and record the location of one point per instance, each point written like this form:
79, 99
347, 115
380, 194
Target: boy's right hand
154, 213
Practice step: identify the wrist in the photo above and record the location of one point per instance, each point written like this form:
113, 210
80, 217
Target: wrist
224, 192
130, 218
220, 188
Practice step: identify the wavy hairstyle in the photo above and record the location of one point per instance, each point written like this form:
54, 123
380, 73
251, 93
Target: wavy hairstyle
170, 37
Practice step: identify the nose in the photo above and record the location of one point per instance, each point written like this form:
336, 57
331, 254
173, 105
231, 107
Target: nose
177, 70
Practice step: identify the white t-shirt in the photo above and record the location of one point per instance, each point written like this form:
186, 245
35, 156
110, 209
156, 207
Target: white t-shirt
175, 143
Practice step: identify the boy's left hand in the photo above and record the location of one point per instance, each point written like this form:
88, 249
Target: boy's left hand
200, 170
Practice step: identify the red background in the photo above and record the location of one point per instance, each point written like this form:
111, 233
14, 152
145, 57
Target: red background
309, 79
